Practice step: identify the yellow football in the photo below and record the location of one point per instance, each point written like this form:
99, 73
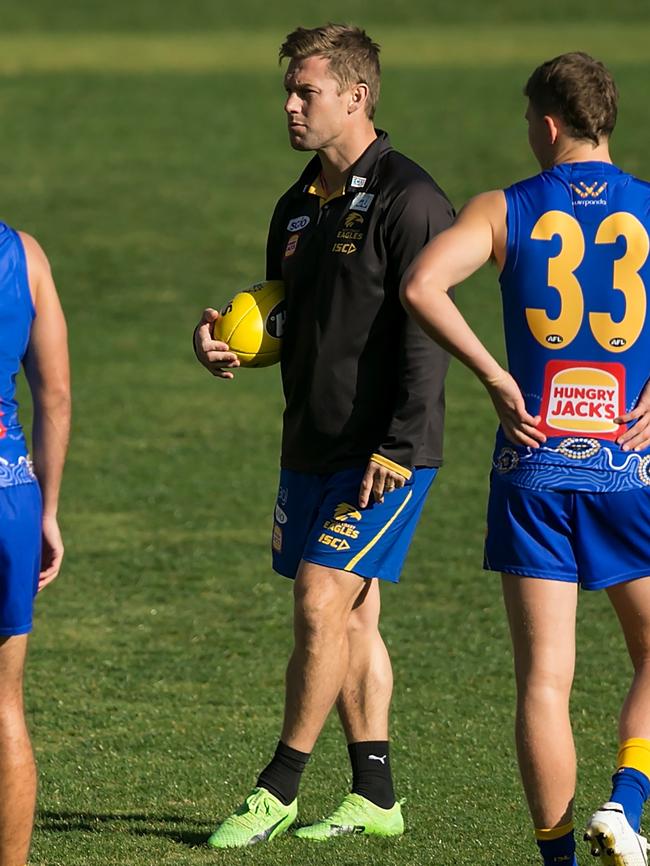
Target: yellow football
252, 324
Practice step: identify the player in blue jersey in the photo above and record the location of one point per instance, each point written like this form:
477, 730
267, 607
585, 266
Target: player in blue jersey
570, 488
32, 333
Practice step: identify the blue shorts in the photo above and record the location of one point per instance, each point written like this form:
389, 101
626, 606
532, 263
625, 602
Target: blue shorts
317, 518
20, 556
594, 539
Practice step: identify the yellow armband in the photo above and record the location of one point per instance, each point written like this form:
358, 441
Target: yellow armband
389, 464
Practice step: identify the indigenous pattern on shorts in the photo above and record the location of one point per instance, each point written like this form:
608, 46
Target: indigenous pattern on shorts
594, 467
576, 324
16, 316
21, 472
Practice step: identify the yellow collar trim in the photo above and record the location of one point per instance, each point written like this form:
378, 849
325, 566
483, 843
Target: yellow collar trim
317, 188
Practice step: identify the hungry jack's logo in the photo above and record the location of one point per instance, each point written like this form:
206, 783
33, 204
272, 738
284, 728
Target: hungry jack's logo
583, 398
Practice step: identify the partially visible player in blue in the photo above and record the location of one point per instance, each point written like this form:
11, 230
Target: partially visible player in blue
570, 489
32, 333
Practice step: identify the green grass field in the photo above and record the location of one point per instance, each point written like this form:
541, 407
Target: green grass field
145, 151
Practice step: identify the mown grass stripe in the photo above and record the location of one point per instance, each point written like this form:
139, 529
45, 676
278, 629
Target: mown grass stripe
237, 50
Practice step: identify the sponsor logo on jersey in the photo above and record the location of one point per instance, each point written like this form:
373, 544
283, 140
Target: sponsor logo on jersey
275, 320
357, 182
362, 201
297, 224
283, 495
3, 429
583, 398
280, 515
347, 249
292, 243
277, 538
589, 194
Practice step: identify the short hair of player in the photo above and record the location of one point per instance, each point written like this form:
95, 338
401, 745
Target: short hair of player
353, 56
580, 90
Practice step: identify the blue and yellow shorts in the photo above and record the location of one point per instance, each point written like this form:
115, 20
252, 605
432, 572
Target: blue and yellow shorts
20, 556
594, 539
317, 519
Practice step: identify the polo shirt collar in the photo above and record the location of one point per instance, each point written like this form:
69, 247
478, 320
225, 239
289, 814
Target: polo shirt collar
359, 176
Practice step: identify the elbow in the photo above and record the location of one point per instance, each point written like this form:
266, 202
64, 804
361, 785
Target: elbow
55, 400
411, 293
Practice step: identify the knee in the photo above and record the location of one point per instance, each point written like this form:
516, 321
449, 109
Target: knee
363, 623
640, 658
319, 611
545, 684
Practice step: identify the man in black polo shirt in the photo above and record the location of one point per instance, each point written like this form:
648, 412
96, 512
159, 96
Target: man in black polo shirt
362, 432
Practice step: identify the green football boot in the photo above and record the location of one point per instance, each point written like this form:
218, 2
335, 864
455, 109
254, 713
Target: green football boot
260, 818
356, 815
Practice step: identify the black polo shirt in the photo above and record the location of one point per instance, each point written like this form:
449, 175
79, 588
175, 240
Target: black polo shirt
359, 376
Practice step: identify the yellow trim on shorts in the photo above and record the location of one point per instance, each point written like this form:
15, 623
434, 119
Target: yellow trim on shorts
372, 542
553, 832
635, 754
390, 464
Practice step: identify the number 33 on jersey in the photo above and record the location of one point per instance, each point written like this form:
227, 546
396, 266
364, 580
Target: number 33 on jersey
575, 298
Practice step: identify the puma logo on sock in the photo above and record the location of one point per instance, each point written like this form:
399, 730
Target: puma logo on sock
381, 759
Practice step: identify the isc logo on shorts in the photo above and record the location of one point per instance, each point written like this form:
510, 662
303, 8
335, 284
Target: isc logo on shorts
332, 541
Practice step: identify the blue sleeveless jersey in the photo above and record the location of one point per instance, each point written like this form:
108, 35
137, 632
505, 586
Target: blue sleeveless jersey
577, 324
16, 316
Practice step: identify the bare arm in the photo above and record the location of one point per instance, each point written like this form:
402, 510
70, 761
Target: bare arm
48, 374
477, 236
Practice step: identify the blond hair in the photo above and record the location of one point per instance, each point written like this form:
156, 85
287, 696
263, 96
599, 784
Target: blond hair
353, 56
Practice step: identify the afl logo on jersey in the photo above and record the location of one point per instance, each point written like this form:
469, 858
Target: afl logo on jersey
617, 342
554, 339
298, 224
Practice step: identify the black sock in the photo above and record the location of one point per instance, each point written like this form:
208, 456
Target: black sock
371, 776
282, 776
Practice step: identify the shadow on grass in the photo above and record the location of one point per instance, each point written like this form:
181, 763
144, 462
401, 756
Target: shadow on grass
187, 832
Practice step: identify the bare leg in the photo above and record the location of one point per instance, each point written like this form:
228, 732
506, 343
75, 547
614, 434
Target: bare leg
17, 769
631, 601
324, 598
364, 700
541, 614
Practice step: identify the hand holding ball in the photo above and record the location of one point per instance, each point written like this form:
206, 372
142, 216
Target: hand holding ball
252, 324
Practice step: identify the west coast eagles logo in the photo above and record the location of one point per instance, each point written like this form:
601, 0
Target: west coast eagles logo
344, 511
353, 219
339, 529
586, 191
